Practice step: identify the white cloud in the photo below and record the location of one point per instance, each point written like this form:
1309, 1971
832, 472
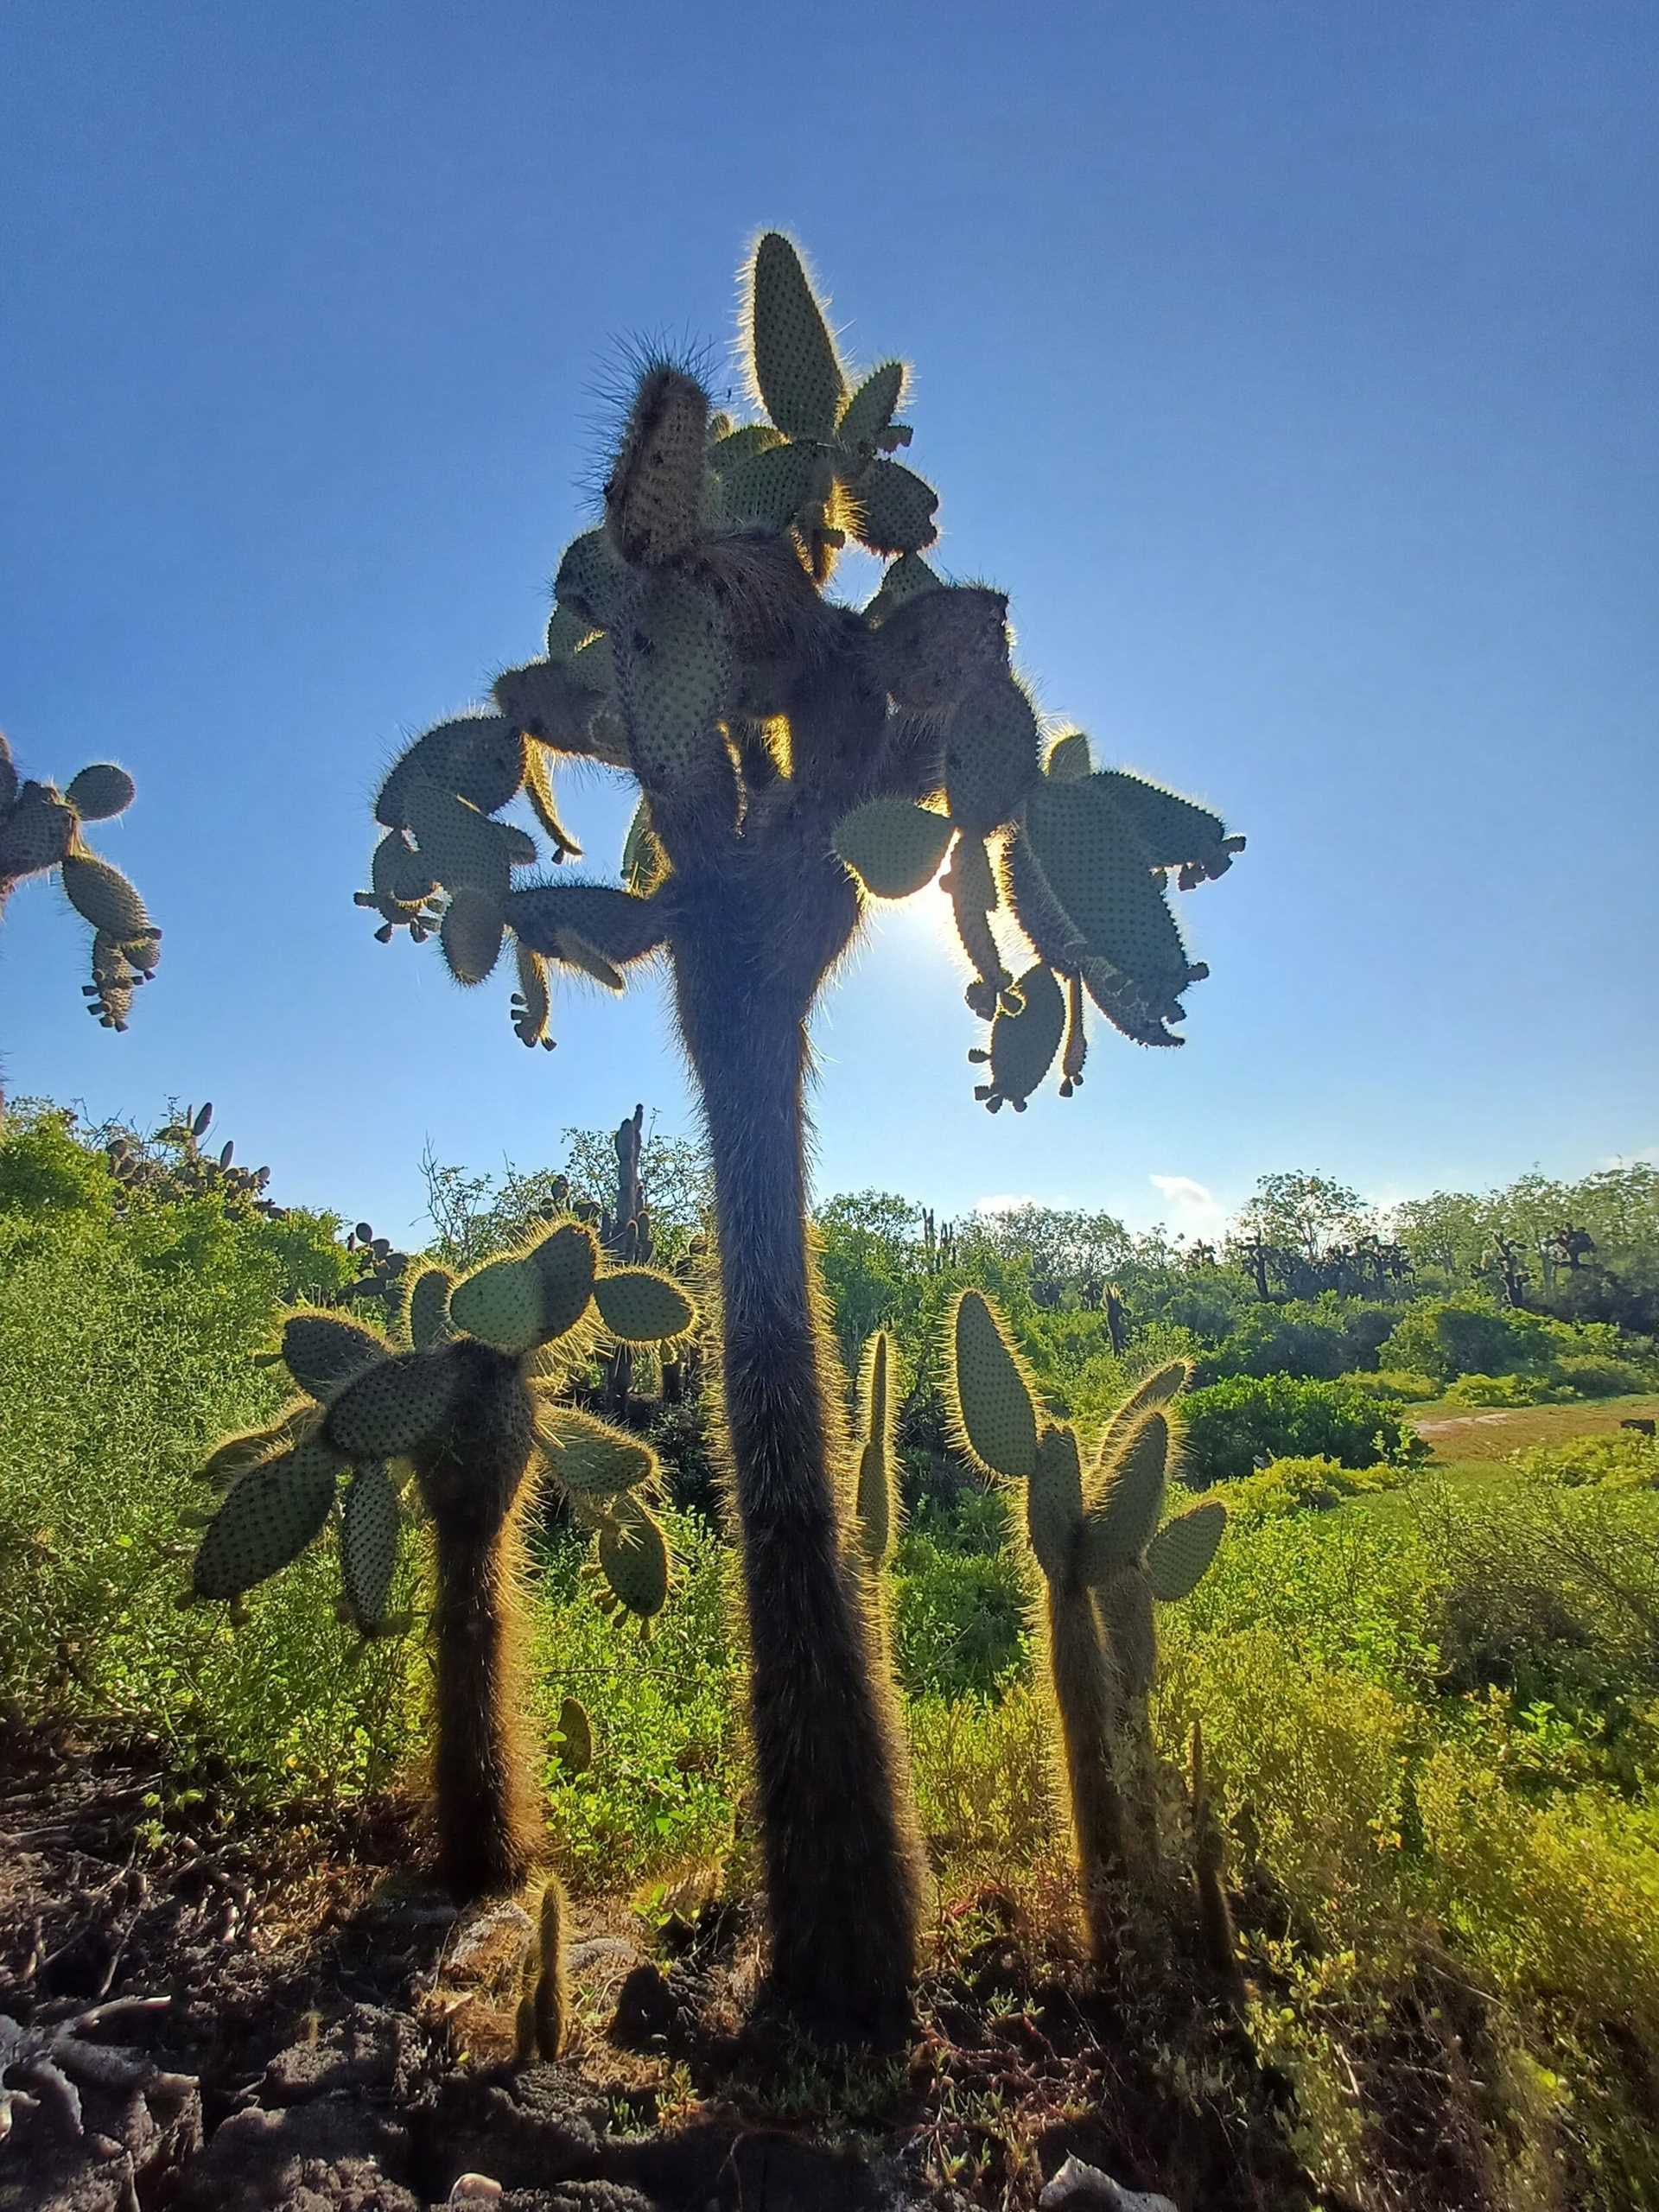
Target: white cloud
1005, 1203
1194, 1208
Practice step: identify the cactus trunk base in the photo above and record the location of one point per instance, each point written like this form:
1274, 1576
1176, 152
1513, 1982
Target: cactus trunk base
1084, 1696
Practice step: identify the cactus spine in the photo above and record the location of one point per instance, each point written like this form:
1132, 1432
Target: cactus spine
793, 754
1094, 1538
469, 1412
41, 829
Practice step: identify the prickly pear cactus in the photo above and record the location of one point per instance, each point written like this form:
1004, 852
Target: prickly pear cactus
41, 829
688, 646
1097, 1536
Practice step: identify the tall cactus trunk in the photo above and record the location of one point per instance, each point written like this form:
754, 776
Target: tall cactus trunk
843, 1861
486, 1803
1085, 1694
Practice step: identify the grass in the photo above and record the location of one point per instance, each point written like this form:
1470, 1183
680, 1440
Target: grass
1462, 1433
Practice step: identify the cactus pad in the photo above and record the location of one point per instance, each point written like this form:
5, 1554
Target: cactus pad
323, 1350
1097, 864
641, 1307
575, 1737
792, 356
594, 582
566, 1260
1174, 830
1179, 1556
370, 1527
1127, 1498
589, 1457
868, 413
459, 844
994, 1415
267, 1521
893, 846
622, 928
895, 509
503, 1303
990, 754
633, 1558
104, 895
676, 679
392, 1408
941, 645
1068, 758
474, 926
653, 498
1054, 1502
100, 792
1024, 1040
429, 1307
480, 758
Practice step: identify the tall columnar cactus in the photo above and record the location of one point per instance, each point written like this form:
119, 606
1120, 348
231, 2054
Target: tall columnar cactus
469, 1412
41, 829
1095, 1535
795, 758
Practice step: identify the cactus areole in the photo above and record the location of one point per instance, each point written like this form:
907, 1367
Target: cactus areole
796, 756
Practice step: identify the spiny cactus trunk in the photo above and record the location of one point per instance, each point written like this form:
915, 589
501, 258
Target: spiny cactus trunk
843, 1861
489, 1820
1085, 1695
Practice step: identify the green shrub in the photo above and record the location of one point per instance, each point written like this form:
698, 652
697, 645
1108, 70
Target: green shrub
985, 1792
1234, 1427
1596, 1374
1626, 1460
1505, 1390
1396, 1386
45, 1174
960, 1610
1300, 1486
1467, 1335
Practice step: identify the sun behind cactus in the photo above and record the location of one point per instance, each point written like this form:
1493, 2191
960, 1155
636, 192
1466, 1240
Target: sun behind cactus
41, 829
795, 758
1095, 1538
469, 1412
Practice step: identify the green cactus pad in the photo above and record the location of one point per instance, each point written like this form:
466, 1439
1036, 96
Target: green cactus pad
104, 895
1024, 1041
634, 1557
1131, 1638
994, 1414
792, 356
322, 1351
906, 579
459, 845
429, 1307
393, 1408
504, 1304
100, 792
893, 846
397, 873
990, 754
549, 700
531, 1004
251, 1447
1159, 1390
641, 1307
267, 1521
893, 509
643, 863
1068, 758
589, 1457
653, 498
1097, 864
676, 679
868, 414
567, 633
37, 834
1054, 1502
370, 1525
471, 933
770, 489
566, 1259
973, 899
876, 1500
1179, 1556
1126, 1497
480, 758
575, 1737
593, 581
1172, 827
615, 923
738, 446
940, 646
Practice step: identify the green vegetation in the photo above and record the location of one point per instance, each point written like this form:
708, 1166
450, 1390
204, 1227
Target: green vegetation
1429, 1694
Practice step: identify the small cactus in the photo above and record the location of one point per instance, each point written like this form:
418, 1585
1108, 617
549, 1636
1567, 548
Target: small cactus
471, 1411
1097, 1538
41, 829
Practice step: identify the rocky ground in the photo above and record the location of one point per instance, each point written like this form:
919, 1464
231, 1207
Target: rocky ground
195, 2019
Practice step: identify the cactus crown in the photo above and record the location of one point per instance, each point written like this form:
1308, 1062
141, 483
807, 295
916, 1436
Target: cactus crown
41, 829
693, 644
1097, 1526
370, 1408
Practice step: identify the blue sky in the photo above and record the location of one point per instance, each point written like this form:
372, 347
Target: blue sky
1291, 367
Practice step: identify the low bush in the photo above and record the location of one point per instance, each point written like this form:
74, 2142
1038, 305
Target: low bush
1506, 1390
1599, 1375
1396, 1386
1626, 1460
1233, 1427
1300, 1486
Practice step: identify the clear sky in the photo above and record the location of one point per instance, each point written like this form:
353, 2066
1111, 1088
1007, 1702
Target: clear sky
1292, 367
